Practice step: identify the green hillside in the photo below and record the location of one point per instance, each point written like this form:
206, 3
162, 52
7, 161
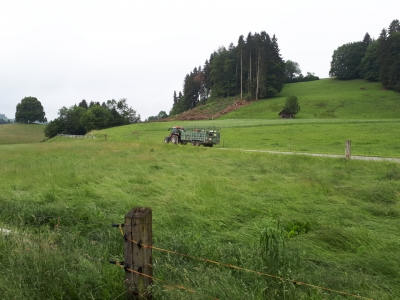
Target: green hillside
319, 227
21, 133
332, 111
327, 99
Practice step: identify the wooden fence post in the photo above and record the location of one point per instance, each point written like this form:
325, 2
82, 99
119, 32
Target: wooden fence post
138, 232
348, 149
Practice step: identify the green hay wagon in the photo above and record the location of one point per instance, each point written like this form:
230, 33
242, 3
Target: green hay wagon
207, 136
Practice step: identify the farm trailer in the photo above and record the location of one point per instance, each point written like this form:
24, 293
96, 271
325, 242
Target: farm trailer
207, 136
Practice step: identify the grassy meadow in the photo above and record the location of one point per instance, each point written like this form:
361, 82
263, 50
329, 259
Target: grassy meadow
369, 137
328, 99
327, 222
21, 133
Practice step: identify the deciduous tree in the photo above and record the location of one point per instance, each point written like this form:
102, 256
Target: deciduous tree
292, 105
30, 110
292, 69
346, 61
162, 115
96, 117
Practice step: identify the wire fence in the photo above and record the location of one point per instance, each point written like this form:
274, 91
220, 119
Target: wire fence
77, 136
167, 284
295, 282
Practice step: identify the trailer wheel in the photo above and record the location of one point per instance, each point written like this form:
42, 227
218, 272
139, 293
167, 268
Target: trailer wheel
193, 143
183, 142
167, 139
198, 143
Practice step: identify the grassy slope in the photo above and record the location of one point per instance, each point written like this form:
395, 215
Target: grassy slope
369, 137
328, 98
21, 133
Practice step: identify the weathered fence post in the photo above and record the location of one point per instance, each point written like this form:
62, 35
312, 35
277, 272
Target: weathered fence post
348, 149
138, 257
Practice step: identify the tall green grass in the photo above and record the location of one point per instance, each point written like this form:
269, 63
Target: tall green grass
334, 221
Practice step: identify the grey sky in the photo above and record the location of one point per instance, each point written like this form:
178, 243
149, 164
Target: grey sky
64, 51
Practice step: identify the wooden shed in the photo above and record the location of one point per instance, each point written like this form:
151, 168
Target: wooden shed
286, 114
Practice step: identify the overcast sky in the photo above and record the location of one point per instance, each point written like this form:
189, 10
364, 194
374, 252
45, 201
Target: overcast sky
64, 51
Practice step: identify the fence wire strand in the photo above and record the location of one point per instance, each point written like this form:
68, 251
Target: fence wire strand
296, 282
168, 284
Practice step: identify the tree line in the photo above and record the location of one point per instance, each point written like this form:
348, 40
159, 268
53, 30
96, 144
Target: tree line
373, 60
4, 119
82, 118
293, 73
253, 69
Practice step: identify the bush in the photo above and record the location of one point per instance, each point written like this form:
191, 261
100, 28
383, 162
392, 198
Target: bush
292, 105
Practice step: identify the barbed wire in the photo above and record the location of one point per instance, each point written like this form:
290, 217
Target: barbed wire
121, 265
296, 282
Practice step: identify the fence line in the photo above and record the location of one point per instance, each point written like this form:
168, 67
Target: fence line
296, 282
121, 265
77, 136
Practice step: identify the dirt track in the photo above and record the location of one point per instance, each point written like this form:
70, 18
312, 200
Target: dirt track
372, 158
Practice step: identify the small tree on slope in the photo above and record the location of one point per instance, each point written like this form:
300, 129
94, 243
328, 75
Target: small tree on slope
292, 105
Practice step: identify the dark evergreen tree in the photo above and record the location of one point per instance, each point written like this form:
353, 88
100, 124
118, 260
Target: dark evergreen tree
393, 60
240, 47
249, 64
276, 69
394, 27
175, 98
369, 68
367, 40
384, 60
83, 104
389, 56
223, 74
207, 76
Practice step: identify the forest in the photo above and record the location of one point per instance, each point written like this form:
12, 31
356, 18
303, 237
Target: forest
253, 69
82, 118
369, 59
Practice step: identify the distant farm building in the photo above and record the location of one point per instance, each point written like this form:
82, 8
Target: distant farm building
286, 114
